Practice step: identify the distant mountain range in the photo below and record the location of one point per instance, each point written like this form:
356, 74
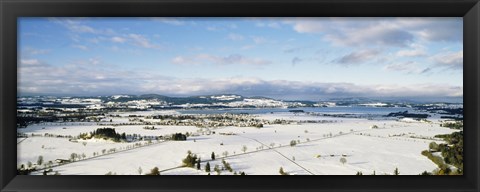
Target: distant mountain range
230, 98
207, 99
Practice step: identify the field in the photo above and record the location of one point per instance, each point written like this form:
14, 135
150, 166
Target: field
319, 147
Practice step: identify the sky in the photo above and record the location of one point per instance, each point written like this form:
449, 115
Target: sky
283, 58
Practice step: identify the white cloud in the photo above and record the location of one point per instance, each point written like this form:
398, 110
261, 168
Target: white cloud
270, 24
29, 62
220, 60
358, 57
80, 28
141, 41
232, 26
452, 60
380, 35
75, 78
170, 21
95, 79
397, 32
33, 51
74, 25
235, 37
212, 28
434, 28
416, 51
309, 26
94, 61
409, 67
247, 47
418, 90
118, 39
181, 60
259, 40
82, 47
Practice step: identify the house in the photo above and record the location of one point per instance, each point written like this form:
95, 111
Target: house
60, 161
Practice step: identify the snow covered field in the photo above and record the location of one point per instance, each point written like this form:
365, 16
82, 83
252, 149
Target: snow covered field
394, 144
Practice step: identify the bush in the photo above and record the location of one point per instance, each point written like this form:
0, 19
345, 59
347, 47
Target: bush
154, 171
282, 172
293, 143
433, 146
190, 160
217, 169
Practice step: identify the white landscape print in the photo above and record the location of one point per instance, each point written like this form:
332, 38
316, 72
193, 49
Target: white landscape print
240, 96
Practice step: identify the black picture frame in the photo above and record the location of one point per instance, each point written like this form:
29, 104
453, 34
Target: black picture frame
12, 9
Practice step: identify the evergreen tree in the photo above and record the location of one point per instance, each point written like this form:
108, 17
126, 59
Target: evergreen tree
395, 172
198, 164
207, 167
425, 173
213, 156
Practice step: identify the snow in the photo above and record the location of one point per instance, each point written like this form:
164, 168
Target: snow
120, 96
394, 144
374, 104
226, 97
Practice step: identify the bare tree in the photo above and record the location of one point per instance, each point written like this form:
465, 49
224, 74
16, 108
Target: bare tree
244, 149
73, 156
